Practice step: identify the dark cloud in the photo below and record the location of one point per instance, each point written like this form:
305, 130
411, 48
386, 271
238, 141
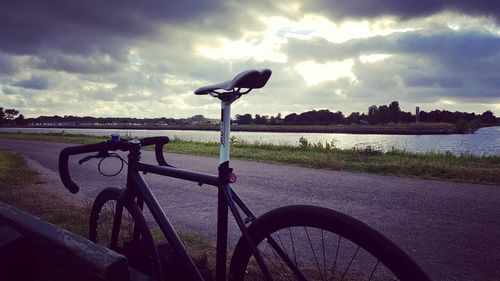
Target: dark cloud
340, 9
82, 26
90, 37
451, 46
78, 64
7, 66
35, 83
432, 81
417, 79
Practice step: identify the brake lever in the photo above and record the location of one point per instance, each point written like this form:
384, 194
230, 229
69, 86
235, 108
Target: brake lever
85, 159
100, 154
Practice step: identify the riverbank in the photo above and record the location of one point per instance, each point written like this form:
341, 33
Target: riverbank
432, 165
387, 129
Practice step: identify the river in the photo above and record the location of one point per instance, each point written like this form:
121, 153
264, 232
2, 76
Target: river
485, 141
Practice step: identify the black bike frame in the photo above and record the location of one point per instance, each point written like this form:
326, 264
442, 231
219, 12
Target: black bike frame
227, 197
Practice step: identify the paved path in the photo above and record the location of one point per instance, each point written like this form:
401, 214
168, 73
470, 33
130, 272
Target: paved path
451, 229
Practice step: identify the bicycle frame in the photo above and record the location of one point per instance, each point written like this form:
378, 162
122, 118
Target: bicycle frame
137, 193
227, 199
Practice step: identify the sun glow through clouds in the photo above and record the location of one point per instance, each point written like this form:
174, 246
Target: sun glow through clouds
315, 26
373, 58
315, 73
260, 47
447, 102
266, 45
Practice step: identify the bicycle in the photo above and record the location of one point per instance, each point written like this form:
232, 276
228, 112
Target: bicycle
299, 241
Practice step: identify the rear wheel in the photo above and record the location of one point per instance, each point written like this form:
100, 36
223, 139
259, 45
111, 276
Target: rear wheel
134, 238
314, 243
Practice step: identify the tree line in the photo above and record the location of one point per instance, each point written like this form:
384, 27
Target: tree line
12, 117
383, 114
376, 115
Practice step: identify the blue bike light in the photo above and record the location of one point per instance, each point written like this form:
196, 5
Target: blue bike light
115, 137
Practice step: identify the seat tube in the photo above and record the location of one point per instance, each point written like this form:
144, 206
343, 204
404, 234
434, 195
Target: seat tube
222, 205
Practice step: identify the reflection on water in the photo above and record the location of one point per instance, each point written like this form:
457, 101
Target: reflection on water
485, 141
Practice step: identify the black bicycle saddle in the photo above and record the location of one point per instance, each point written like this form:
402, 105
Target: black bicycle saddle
249, 79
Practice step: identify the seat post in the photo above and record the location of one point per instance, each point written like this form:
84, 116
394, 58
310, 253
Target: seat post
224, 171
225, 131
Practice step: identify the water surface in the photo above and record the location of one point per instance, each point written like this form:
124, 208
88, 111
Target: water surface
486, 141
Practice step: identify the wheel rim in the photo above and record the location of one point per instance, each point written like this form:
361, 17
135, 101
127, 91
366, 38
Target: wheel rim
319, 255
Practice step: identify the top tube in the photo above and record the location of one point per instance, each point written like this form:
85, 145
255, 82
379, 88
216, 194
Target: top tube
200, 178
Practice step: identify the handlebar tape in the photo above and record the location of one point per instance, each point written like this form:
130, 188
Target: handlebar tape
104, 146
158, 142
74, 150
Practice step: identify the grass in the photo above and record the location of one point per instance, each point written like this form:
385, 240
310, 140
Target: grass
431, 165
19, 187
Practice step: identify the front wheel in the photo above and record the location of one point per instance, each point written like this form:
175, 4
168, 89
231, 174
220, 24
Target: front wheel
134, 238
314, 243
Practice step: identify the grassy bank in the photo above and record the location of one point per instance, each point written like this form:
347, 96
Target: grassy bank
388, 129
442, 166
19, 188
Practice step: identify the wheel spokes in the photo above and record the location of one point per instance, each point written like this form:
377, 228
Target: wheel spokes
318, 255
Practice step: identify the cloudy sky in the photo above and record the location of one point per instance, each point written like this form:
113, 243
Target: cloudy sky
145, 58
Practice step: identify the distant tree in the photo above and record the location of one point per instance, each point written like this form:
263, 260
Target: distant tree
20, 120
394, 111
354, 117
278, 117
10, 114
363, 118
323, 116
260, 120
488, 117
308, 117
373, 114
388, 113
384, 115
337, 117
2, 115
406, 117
276, 120
291, 118
197, 118
244, 119
273, 121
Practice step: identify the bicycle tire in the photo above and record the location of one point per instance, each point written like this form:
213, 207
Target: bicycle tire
363, 244
135, 240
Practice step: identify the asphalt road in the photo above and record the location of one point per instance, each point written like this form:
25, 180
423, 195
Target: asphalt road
451, 229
